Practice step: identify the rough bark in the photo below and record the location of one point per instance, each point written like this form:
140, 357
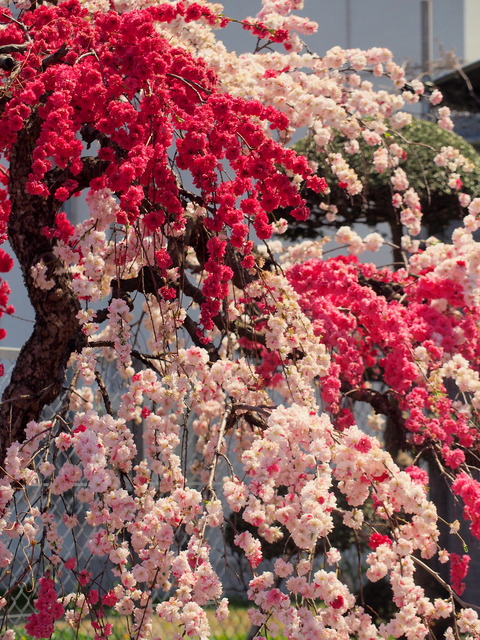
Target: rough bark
39, 373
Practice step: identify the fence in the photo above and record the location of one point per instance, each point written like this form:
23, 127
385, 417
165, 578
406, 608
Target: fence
230, 566
27, 565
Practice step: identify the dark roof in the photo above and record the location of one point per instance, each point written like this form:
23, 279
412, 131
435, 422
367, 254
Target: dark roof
461, 88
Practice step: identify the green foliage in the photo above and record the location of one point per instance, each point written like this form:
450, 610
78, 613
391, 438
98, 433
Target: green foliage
439, 202
236, 627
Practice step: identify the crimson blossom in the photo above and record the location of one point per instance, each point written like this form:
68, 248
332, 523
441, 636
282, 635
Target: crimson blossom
184, 366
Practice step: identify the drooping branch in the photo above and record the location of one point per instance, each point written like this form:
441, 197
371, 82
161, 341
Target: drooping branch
55, 57
389, 290
386, 404
91, 168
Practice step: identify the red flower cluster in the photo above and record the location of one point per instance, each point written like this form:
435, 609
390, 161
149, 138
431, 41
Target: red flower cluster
40, 625
458, 571
120, 83
373, 334
376, 539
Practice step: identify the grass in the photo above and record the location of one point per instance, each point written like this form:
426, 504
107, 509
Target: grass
235, 628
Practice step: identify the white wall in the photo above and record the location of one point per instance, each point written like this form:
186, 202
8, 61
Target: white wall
472, 29
394, 24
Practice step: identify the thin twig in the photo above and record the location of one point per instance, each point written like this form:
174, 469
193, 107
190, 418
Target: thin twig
444, 584
208, 490
104, 392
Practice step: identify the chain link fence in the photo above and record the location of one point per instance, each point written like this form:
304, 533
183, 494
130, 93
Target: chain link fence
229, 563
19, 581
27, 564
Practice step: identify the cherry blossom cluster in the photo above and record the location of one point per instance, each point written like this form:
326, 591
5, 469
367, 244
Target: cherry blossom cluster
414, 332
179, 100
329, 96
298, 449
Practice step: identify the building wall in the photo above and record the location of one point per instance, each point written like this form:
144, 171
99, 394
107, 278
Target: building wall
471, 26
395, 24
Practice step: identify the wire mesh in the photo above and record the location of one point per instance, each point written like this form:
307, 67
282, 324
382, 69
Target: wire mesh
230, 566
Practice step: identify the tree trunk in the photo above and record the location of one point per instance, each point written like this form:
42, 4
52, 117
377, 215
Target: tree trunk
39, 372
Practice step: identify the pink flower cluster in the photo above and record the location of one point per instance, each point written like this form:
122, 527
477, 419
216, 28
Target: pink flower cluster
400, 329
